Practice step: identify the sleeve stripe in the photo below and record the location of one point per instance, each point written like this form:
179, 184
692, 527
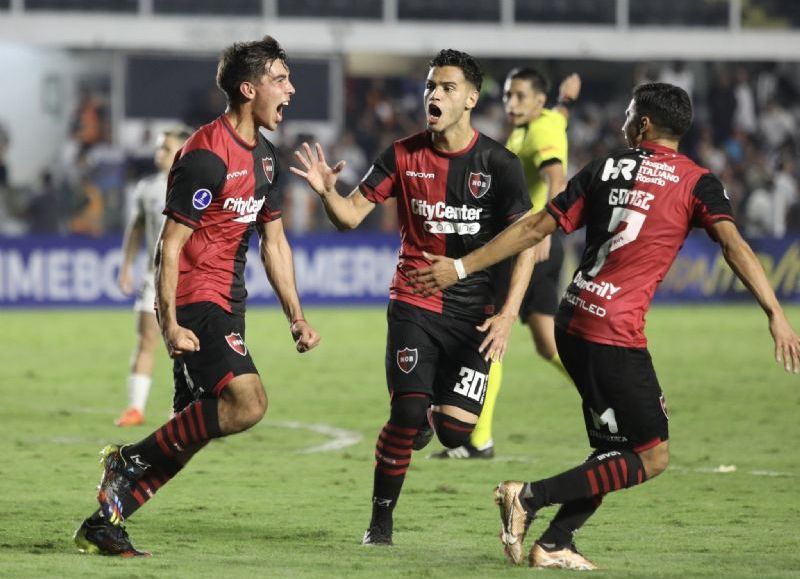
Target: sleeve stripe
565, 219
366, 190
181, 218
554, 211
269, 216
550, 161
372, 194
720, 217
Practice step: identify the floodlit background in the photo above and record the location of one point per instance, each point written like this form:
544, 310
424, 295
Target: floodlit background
87, 85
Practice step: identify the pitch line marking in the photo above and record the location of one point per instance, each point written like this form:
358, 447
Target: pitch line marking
340, 437
722, 469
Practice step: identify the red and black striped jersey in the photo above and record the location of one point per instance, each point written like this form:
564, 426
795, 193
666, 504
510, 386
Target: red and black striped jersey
448, 204
638, 206
220, 186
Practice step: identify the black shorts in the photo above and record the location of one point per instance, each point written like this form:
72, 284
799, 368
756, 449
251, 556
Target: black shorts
436, 355
542, 296
223, 353
623, 406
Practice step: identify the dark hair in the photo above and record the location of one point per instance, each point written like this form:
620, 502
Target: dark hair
468, 65
538, 81
668, 106
246, 62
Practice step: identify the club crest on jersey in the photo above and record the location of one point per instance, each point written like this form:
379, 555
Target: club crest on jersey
478, 184
236, 343
407, 359
269, 168
201, 199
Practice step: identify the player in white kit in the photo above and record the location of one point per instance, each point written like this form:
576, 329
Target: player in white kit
145, 224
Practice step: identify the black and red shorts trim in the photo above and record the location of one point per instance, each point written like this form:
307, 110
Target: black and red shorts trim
435, 355
623, 405
223, 353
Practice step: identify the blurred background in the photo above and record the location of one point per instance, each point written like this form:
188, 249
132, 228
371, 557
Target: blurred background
90, 83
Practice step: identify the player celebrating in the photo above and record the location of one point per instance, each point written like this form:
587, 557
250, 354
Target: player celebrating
145, 222
539, 139
455, 189
638, 206
221, 187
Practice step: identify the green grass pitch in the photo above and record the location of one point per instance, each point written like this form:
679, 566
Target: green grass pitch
260, 504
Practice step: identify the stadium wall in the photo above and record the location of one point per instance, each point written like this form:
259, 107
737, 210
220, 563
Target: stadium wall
335, 269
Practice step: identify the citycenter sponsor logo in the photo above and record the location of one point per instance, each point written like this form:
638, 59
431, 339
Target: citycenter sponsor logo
445, 219
440, 210
604, 289
246, 208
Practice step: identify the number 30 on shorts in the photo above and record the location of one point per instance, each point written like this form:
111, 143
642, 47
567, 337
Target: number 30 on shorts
472, 384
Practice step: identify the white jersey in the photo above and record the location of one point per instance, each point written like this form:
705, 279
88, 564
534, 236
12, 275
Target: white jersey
149, 197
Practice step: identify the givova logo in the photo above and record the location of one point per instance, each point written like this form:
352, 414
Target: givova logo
420, 174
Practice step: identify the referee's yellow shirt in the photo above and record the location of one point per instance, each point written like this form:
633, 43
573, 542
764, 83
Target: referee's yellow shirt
538, 143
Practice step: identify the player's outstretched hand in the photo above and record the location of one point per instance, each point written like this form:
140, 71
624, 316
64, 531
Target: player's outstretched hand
180, 341
787, 344
498, 330
570, 88
320, 177
440, 274
305, 337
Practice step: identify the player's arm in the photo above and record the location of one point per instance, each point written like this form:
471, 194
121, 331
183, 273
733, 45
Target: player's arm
565, 211
498, 327
344, 212
174, 236
747, 268
568, 93
194, 179
444, 271
131, 242
554, 175
276, 255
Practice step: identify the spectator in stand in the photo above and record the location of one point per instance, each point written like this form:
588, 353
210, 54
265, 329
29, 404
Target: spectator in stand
745, 114
679, 74
44, 207
785, 193
5, 141
777, 126
722, 106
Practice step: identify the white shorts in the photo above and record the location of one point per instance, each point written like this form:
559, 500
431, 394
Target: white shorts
146, 296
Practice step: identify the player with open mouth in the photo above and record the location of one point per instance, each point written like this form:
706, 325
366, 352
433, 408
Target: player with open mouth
222, 187
438, 348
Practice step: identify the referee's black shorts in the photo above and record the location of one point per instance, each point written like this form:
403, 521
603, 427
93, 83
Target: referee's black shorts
542, 296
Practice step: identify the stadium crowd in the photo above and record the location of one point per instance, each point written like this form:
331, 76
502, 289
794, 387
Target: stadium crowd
745, 130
